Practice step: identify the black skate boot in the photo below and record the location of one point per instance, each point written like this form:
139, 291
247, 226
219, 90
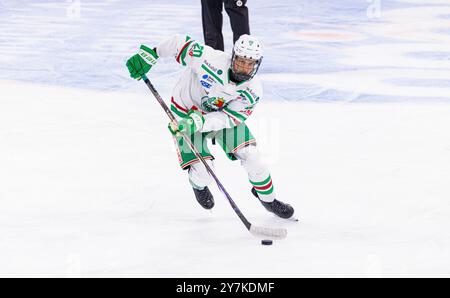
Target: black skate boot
204, 198
278, 208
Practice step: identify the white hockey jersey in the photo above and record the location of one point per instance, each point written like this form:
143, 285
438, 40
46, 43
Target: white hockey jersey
206, 84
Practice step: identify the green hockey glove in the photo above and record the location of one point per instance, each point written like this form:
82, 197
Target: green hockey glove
139, 64
190, 125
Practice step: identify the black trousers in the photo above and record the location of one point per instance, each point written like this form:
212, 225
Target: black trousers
212, 20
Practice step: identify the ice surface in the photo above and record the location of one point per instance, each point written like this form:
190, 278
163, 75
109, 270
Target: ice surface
354, 125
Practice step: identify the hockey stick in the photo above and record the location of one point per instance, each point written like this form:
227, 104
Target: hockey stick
277, 233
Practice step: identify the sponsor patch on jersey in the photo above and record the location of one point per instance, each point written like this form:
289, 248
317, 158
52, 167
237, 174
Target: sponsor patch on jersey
208, 79
247, 112
205, 84
210, 66
213, 68
256, 97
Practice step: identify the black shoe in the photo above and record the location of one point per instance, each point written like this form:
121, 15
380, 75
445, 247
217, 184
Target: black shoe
278, 208
204, 198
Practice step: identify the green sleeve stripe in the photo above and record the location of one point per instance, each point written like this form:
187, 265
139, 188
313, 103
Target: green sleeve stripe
180, 114
231, 117
235, 114
250, 98
231, 122
261, 183
205, 68
183, 53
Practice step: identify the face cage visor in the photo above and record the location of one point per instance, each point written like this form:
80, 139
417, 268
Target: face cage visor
240, 77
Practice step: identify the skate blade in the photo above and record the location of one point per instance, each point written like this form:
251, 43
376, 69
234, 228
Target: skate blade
293, 218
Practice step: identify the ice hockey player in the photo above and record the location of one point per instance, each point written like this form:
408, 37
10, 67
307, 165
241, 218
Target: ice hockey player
212, 99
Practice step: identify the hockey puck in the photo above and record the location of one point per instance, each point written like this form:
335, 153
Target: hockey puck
266, 242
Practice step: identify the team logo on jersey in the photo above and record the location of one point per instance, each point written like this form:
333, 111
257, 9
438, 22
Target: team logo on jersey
211, 104
219, 102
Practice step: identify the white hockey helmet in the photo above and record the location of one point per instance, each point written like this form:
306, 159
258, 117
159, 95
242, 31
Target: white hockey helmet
249, 48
